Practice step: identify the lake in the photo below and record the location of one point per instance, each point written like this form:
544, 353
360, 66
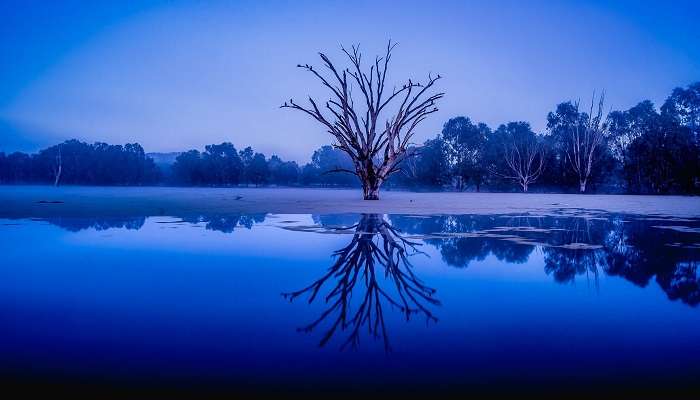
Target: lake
351, 302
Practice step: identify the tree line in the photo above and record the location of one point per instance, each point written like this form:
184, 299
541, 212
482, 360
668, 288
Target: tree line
78, 163
223, 165
639, 150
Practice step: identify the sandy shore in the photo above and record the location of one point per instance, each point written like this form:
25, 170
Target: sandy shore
46, 201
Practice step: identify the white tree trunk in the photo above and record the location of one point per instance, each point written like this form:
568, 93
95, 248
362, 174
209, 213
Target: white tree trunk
58, 175
58, 168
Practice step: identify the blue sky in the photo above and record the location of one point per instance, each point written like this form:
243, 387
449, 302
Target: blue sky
174, 75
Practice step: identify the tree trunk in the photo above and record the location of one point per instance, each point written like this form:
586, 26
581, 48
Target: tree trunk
524, 185
58, 167
370, 191
57, 179
582, 186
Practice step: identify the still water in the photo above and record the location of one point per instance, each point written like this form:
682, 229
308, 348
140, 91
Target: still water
352, 301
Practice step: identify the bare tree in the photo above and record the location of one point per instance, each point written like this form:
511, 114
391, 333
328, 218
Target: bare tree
584, 139
376, 146
57, 166
377, 249
523, 155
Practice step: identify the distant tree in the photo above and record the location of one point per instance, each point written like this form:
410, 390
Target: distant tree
281, 172
684, 106
582, 135
257, 172
273, 164
465, 146
523, 154
658, 153
187, 168
221, 164
140, 168
288, 173
558, 175
309, 174
376, 146
246, 156
57, 167
431, 167
330, 166
19, 167
659, 158
3, 168
78, 163
624, 129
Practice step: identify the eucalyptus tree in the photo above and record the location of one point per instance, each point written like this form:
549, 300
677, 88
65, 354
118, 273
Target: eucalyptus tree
684, 105
522, 155
581, 136
465, 142
584, 140
376, 130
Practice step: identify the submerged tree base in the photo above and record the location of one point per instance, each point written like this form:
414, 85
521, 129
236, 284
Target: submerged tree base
370, 194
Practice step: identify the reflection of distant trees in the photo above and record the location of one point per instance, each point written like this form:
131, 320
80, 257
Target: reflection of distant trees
682, 282
100, 224
226, 223
572, 246
369, 273
564, 264
459, 251
637, 252
336, 220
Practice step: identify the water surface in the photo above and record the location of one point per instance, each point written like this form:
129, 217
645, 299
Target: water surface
352, 301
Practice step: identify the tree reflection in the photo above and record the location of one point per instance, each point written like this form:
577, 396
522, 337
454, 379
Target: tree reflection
226, 223
635, 248
639, 250
565, 263
372, 271
99, 224
483, 237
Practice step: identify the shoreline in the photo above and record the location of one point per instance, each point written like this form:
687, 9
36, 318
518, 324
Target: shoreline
93, 201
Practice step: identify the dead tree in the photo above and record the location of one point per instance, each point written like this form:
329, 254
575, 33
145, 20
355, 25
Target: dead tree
356, 299
376, 144
583, 141
524, 160
57, 166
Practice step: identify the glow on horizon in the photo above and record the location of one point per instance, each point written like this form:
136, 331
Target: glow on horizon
182, 74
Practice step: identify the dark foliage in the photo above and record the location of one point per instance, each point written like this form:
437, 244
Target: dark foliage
643, 150
75, 162
222, 165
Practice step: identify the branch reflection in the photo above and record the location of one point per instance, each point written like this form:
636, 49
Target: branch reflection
372, 271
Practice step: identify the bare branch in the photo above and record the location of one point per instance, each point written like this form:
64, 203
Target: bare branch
375, 151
